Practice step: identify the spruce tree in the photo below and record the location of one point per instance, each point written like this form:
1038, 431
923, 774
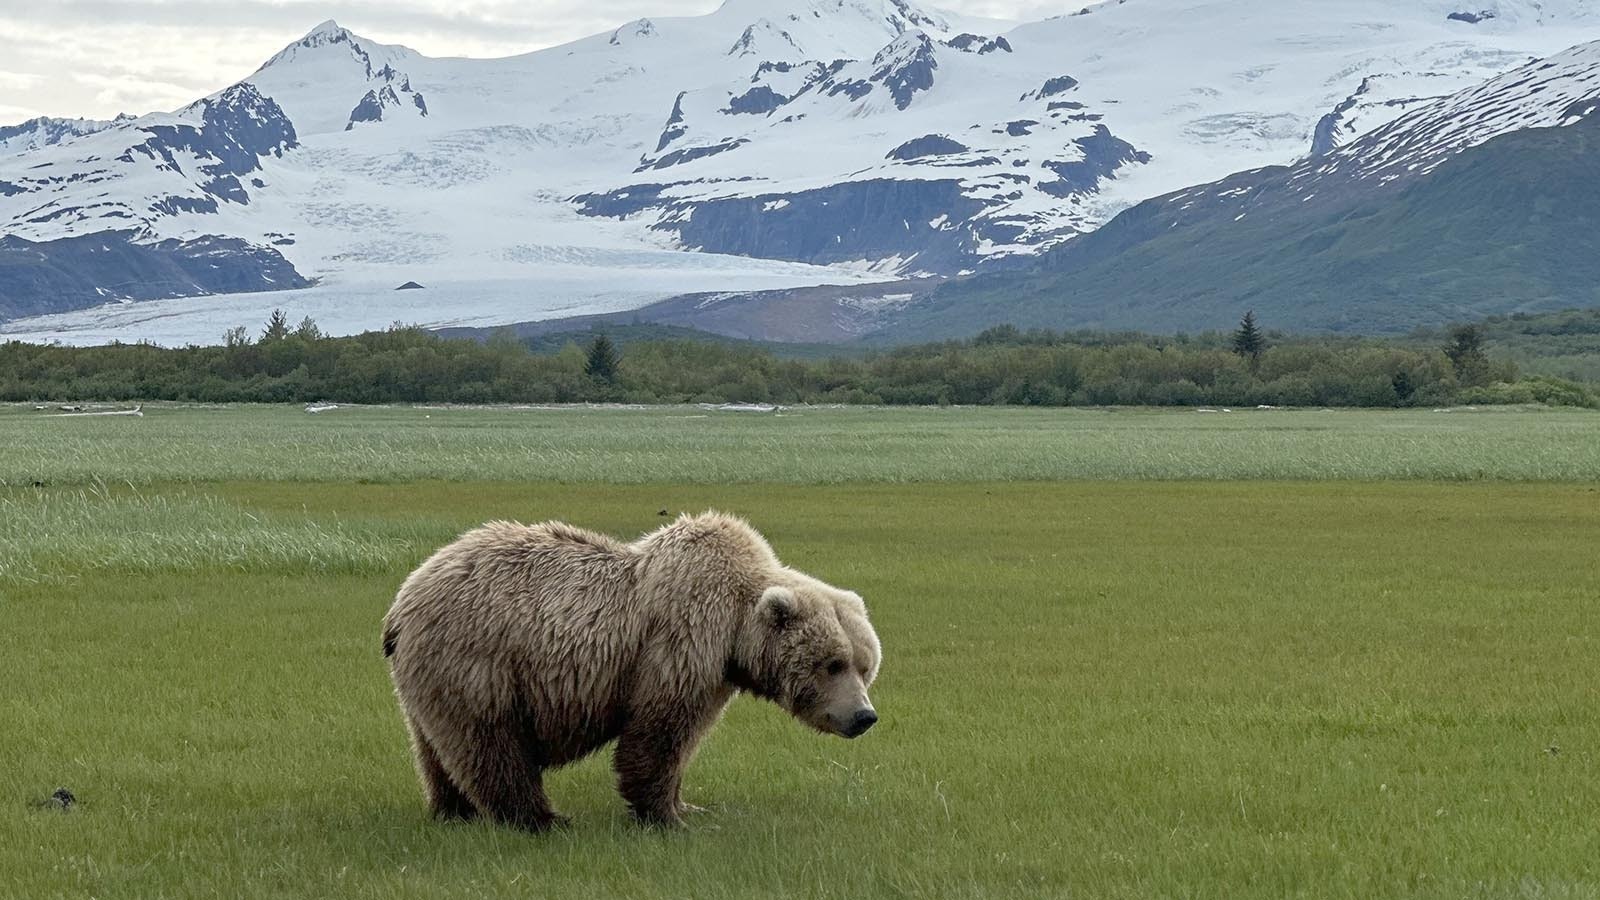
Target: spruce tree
308, 330
603, 360
1248, 341
277, 327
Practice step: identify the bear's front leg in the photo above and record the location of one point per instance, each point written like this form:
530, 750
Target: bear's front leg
651, 756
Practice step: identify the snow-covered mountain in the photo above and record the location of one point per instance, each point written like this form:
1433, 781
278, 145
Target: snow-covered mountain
1481, 203
861, 135
1554, 92
1558, 91
47, 132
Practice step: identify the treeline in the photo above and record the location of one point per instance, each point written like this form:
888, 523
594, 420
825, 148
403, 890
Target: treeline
1001, 366
1562, 344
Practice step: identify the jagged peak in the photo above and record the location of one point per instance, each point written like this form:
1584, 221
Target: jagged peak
894, 16
237, 96
332, 34
909, 47
797, 30
748, 43
327, 29
65, 121
45, 131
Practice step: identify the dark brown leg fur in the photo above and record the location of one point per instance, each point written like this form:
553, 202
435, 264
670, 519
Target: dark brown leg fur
445, 800
651, 756
500, 778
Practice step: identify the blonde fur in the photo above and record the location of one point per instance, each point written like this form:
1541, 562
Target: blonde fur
519, 648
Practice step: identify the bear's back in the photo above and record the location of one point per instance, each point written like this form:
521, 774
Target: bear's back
506, 587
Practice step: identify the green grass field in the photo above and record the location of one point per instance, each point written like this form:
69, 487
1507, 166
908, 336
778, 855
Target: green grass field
1126, 654
688, 445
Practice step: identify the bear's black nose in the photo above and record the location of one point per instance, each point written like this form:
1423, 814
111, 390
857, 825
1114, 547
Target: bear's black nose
863, 720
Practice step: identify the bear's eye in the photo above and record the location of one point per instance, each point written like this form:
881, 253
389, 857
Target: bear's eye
836, 667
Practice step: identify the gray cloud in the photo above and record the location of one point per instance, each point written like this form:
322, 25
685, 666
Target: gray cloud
97, 58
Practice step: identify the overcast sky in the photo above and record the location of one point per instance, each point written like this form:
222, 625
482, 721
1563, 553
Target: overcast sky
96, 58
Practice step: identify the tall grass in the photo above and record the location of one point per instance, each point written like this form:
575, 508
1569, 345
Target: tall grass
60, 534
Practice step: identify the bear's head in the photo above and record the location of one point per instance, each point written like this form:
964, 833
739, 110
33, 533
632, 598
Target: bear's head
815, 655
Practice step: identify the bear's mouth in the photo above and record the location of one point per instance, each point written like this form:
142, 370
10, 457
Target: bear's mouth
818, 721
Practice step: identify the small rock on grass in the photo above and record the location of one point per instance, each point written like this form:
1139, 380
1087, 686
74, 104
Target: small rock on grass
62, 799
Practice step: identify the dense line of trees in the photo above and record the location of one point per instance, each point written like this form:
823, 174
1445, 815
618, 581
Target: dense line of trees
1001, 366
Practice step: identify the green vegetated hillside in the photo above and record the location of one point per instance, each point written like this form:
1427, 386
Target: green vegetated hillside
1564, 344
1509, 226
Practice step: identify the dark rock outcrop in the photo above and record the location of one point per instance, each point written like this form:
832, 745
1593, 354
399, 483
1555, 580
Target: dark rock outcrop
80, 272
1058, 85
860, 220
675, 128
759, 100
238, 128
973, 43
1103, 154
689, 154
906, 68
926, 146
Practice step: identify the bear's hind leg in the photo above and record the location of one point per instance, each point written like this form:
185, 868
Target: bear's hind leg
445, 800
501, 781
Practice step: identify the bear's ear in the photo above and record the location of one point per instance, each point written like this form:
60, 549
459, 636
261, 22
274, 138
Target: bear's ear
777, 606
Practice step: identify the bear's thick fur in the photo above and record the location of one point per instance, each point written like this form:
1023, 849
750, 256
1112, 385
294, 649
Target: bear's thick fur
519, 648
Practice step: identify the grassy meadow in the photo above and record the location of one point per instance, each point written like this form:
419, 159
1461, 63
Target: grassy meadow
690, 445
1127, 655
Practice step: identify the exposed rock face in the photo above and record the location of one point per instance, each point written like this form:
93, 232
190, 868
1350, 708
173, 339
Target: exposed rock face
862, 220
379, 101
759, 100
237, 129
689, 154
56, 276
35, 134
1103, 154
926, 146
1055, 86
906, 67
972, 43
674, 129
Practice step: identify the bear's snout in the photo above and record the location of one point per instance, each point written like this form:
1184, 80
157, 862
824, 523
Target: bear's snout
859, 723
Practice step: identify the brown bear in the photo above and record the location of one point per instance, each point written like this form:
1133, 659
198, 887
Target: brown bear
520, 648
